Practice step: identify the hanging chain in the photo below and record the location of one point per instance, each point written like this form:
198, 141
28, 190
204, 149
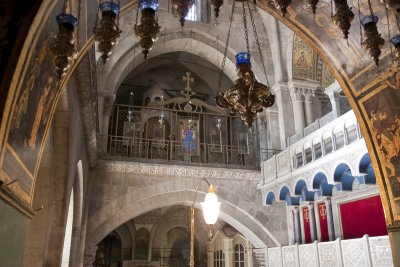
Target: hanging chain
246, 34
96, 22
226, 49
257, 42
397, 19
370, 8
79, 23
388, 28
331, 8
359, 19
65, 6
119, 7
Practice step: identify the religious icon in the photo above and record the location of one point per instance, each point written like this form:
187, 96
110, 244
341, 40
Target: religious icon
189, 135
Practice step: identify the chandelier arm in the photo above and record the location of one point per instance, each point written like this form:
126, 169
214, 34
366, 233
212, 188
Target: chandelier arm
246, 33
77, 28
258, 42
226, 49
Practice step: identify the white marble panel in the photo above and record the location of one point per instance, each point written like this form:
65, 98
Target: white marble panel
381, 254
355, 252
275, 257
290, 256
308, 255
329, 254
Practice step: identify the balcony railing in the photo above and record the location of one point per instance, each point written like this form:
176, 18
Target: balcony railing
365, 251
166, 151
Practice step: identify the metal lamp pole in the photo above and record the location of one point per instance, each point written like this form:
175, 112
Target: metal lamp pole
210, 211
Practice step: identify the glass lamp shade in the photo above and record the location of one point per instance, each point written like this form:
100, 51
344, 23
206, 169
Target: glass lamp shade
66, 20
210, 208
109, 7
369, 19
242, 58
151, 4
396, 41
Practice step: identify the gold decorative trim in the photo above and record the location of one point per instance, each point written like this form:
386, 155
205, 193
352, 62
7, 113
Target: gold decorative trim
13, 200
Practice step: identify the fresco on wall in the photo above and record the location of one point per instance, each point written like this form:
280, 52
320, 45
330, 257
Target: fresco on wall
307, 65
383, 110
29, 121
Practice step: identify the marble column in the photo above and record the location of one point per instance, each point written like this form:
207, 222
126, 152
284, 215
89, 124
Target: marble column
329, 218
282, 100
297, 228
308, 106
333, 92
313, 225
297, 97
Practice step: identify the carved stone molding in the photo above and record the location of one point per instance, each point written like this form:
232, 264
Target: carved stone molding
177, 171
13, 200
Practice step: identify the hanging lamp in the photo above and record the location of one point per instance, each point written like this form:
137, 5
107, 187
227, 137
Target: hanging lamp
148, 30
107, 32
343, 17
63, 44
182, 8
247, 96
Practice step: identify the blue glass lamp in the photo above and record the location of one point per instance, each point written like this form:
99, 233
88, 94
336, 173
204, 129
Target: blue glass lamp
242, 58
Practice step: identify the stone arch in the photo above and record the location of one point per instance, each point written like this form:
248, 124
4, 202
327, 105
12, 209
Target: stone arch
365, 168
126, 241
284, 195
343, 175
323, 43
270, 198
301, 190
102, 222
320, 182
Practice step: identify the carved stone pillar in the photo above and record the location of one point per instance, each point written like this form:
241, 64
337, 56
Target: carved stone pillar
298, 112
329, 216
297, 228
313, 226
260, 257
282, 100
309, 96
338, 100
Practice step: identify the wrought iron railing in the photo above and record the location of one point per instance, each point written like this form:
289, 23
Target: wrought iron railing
166, 151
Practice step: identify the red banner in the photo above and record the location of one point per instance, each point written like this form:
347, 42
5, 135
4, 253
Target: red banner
323, 221
364, 216
306, 224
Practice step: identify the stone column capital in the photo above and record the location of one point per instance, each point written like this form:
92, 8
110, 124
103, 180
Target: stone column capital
333, 90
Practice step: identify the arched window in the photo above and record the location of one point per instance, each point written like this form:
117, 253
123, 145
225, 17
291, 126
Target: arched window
239, 255
68, 232
219, 259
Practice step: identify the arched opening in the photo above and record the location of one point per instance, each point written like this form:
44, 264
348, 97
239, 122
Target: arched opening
109, 251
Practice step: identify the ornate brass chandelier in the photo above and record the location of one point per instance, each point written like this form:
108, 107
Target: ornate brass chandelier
343, 17
62, 45
148, 30
373, 42
108, 32
182, 8
247, 96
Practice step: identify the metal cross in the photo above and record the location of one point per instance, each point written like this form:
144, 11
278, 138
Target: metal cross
189, 79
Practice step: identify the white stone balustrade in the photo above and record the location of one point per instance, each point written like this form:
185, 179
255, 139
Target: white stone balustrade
300, 160
366, 251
